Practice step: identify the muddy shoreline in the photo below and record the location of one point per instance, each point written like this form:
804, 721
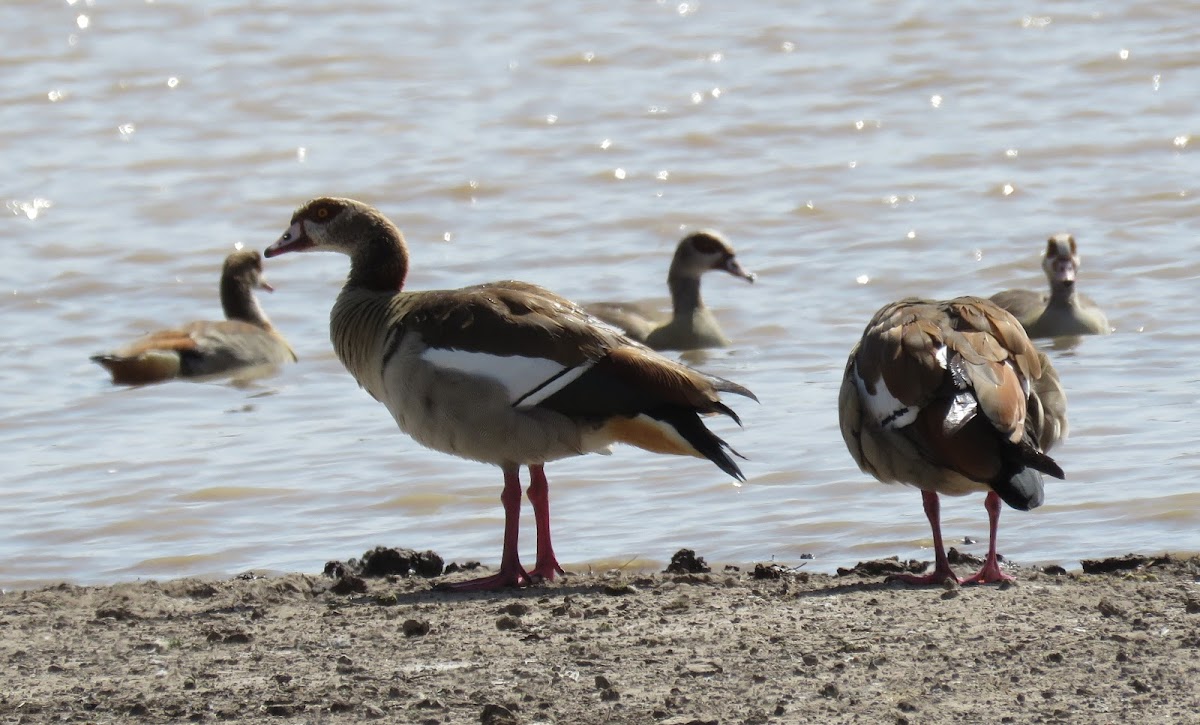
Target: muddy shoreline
757, 643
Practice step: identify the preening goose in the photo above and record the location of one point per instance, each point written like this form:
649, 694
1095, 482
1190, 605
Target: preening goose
691, 325
244, 339
505, 373
1062, 311
951, 397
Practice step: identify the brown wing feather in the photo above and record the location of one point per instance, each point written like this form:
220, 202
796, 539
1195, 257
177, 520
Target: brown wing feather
510, 318
179, 340
999, 361
671, 382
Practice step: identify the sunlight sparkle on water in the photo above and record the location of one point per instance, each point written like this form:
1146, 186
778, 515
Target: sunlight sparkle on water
31, 209
935, 101
619, 173
862, 279
83, 21
1008, 189
605, 144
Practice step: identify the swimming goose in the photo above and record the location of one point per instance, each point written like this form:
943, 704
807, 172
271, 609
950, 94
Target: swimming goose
505, 373
692, 325
951, 397
1063, 311
244, 339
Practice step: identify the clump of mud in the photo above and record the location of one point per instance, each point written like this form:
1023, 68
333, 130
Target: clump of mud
685, 561
382, 561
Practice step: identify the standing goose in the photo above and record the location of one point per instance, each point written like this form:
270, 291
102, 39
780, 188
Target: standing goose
1063, 311
951, 397
692, 325
244, 339
505, 373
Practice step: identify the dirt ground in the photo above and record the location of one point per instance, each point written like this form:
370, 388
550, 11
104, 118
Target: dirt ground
1118, 642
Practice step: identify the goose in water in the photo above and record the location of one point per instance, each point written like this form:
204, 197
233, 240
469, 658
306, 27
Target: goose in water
505, 373
951, 397
692, 325
244, 339
1062, 311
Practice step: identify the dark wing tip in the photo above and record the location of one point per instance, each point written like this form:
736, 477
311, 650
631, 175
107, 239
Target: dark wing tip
728, 386
729, 412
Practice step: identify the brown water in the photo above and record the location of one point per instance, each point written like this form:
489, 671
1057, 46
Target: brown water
854, 154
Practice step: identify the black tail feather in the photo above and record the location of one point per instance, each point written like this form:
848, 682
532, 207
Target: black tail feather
689, 425
1034, 458
728, 411
1024, 491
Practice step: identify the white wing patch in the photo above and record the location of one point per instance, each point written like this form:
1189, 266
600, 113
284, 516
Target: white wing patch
885, 409
528, 380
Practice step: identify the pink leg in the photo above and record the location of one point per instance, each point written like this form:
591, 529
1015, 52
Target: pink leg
990, 573
511, 573
539, 495
941, 569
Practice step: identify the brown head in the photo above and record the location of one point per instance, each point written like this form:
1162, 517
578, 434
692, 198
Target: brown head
378, 257
241, 275
706, 250
245, 267
1061, 262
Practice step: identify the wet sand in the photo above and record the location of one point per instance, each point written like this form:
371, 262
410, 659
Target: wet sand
1117, 642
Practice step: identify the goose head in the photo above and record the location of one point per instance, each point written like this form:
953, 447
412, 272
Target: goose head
245, 269
333, 225
706, 250
378, 256
1061, 261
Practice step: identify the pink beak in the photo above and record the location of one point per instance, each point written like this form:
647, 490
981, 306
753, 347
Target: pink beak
1064, 269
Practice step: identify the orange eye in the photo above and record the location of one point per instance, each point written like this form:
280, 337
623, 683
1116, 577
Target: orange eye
323, 212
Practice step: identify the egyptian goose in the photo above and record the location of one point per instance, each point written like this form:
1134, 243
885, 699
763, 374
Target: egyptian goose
244, 339
505, 373
1063, 311
951, 397
692, 325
